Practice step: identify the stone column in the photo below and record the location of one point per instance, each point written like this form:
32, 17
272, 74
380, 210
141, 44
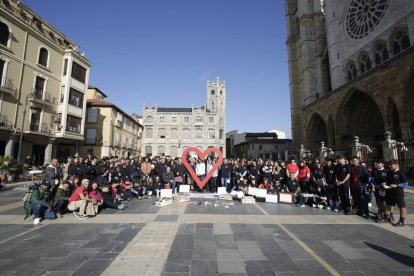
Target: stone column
49, 151
356, 149
10, 145
77, 148
322, 152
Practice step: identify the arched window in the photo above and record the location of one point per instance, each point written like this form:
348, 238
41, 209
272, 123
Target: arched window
381, 53
174, 133
199, 133
212, 105
352, 71
161, 133
43, 56
4, 34
365, 64
186, 133
161, 150
149, 120
199, 120
173, 151
211, 133
149, 133
400, 41
148, 151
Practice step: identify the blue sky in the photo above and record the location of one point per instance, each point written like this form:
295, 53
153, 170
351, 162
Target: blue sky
163, 51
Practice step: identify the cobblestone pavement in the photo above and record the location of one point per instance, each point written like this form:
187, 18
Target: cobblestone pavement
203, 237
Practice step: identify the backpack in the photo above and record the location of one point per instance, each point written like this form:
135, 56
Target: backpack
27, 198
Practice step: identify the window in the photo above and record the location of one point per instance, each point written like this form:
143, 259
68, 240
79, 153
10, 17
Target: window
78, 72
4, 34
212, 92
174, 119
73, 124
212, 105
400, 41
162, 119
161, 133
161, 150
211, 134
199, 120
65, 67
381, 54
211, 120
92, 115
221, 134
43, 56
173, 151
186, 133
186, 119
260, 147
116, 138
90, 136
365, 63
148, 151
39, 88
174, 133
76, 98
149, 120
199, 133
2, 63
149, 133
352, 71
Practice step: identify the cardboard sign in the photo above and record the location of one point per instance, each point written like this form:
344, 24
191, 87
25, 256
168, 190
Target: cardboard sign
221, 190
184, 188
252, 191
166, 193
261, 193
271, 198
286, 198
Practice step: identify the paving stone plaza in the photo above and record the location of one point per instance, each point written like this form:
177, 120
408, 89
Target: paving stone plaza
203, 237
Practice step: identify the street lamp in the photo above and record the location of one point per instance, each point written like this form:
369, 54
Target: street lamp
30, 97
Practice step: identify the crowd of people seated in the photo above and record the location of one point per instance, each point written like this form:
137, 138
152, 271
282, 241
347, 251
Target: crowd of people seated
85, 186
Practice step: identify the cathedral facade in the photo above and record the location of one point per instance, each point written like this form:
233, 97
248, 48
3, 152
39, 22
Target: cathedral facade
351, 70
171, 130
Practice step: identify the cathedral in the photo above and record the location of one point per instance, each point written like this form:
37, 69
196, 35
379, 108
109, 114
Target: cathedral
351, 70
171, 130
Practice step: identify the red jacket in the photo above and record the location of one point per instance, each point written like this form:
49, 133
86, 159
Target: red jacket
304, 174
292, 169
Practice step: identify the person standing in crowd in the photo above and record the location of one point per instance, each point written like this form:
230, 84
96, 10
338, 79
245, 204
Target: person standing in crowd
396, 182
329, 176
213, 180
200, 172
359, 187
343, 174
379, 175
179, 172
292, 168
225, 174
146, 168
168, 179
53, 174
304, 176
66, 167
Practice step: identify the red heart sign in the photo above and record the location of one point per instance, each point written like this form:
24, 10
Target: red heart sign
201, 156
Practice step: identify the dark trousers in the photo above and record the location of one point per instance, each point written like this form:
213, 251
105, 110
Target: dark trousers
61, 206
39, 210
344, 195
360, 199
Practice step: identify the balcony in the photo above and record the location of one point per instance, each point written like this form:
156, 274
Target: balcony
42, 97
8, 87
42, 128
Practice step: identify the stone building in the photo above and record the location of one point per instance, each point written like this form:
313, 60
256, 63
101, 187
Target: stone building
169, 131
351, 69
43, 79
265, 145
109, 131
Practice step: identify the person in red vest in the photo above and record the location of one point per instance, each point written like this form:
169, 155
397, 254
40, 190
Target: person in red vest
304, 176
292, 168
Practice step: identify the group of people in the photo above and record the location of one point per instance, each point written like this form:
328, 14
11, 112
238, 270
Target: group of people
85, 185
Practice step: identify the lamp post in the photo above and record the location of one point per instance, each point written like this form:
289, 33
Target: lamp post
30, 97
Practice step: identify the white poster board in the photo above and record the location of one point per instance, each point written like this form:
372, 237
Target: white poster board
184, 188
252, 191
166, 193
286, 198
221, 190
271, 198
261, 193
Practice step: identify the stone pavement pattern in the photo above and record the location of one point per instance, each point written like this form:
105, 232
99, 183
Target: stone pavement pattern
203, 237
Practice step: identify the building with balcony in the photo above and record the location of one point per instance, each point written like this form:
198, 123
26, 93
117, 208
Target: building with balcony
43, 81
109, 131
171, 130
265, 145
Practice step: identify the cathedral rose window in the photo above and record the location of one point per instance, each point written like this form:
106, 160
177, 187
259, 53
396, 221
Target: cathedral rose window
363, 16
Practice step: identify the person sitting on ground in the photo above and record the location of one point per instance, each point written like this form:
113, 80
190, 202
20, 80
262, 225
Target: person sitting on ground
127, 189
265, 184
110, 199
96, 200
157, 186
41, 201
243, 187
62, 198
79, 200
292, 185
142, 189
115, 189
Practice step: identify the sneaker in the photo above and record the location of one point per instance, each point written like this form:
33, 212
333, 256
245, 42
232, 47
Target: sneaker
82, 216
76, 214
314, 205
59, 215
320, 206
336, 210
391, 219
139, 197
370, 204
303, 205
399, 224
36, 221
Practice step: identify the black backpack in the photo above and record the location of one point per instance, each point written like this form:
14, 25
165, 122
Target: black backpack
27, 198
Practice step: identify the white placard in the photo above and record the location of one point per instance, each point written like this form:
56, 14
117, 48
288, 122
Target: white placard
285, 197
184, 188
261, 193
221, 190
252, 191
271, 198
166, 193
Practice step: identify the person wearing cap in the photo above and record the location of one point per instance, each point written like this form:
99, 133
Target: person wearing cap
79, 200
41, 201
